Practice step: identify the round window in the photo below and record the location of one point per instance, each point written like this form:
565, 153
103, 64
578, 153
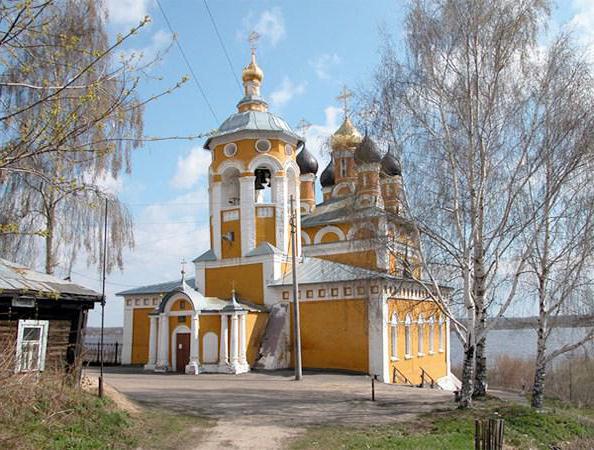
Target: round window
288, 150
230, 149
263, 145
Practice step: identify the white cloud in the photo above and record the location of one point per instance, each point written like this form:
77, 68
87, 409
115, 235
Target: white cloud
127, 11
191, 168
270, 25
582, 23
318, 135
285, 92
323, 64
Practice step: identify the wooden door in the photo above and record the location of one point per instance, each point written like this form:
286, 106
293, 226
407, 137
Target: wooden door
182, 351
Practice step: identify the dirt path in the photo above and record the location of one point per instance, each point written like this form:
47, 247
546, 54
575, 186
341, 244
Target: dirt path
264, 411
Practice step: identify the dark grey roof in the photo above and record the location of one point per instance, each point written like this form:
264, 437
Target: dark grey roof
367, 151
264, 248
316, 270
307, 162
327, 177
208, 255
391, 165
20, 280
160, 288
339, 210
252, 121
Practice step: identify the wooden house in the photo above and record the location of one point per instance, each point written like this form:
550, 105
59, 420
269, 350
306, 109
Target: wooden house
42, 319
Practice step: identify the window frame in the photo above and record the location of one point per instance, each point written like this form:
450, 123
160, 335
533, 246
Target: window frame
43, 325
421, 335
407, 337
394, 337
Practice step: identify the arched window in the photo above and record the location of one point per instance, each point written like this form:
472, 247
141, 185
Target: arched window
431, 335
394, 337
407, 336
421, 332
230, 185
263, 185
441, 333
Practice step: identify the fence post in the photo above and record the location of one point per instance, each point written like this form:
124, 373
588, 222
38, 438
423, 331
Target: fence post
488, 435
116, 353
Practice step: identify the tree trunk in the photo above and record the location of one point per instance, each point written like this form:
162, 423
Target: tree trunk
49, 241
540, 370
478, 288
467, 376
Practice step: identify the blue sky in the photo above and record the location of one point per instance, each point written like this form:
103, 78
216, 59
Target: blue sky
308, 50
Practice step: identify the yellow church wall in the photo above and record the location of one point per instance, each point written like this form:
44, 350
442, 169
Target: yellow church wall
209, 323
254, 329
247, 278
434, 364
231, 249
140, 335
246, 151
334, 335
330, 237
265, 230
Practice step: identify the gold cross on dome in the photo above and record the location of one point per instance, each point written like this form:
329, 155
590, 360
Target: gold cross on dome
303, 126
253, 39
344, 96
183, 268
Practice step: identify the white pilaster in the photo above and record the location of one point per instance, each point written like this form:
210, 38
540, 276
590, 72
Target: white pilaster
216, 199
153, 336
224, 343
163, 350
247, 213
378, 337
234, 340
280, 199
127, 336
242, 340
193, 367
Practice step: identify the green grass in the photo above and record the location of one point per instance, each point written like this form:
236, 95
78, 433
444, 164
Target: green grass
524, 428
59, 417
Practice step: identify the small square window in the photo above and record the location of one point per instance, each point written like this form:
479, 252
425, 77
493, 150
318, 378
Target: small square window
334, 292
374, 289
146, 301
155, 302
360, 290
128, 302
182, 304
181, 319
322, 293
348, 291
285, 295
137, 302
309, 293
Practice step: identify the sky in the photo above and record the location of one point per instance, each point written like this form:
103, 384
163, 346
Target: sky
308, 50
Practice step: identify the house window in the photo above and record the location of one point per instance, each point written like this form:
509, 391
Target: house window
431, 335
348, 291
441, 334
146, 301
322, 293
407, 337
374, 289
309, 293
128, 302
285, 295
421, 332
334, 292
31, 345
137, 302
360, 290
394, 337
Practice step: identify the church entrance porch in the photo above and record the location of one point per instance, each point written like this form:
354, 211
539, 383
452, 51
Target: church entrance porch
182, 351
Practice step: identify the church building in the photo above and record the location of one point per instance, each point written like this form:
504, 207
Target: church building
362, 309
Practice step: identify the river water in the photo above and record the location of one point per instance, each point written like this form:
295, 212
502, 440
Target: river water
521, 343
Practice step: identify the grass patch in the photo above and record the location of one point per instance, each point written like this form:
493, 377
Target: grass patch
524, 428
46, 412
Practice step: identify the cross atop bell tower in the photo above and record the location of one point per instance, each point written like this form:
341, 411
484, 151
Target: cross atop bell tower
344, 97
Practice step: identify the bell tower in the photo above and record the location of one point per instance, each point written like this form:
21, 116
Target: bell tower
252, 176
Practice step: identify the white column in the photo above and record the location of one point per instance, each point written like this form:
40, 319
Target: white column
216, 198
153, 335
224, 342
194, 365
247, 213
234, 341
163, 350
242, 340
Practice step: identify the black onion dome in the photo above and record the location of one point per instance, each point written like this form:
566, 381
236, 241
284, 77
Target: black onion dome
327, 177
367, 151
391, 165
307, 162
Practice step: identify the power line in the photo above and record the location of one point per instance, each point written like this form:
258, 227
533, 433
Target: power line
185, 58
233, 71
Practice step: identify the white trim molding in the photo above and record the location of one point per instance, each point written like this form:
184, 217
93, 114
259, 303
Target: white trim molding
328, 229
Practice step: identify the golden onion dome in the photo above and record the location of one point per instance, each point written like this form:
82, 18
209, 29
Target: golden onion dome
346, 137
252, 71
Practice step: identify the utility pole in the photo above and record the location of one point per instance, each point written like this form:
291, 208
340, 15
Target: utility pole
103, 300
296, 325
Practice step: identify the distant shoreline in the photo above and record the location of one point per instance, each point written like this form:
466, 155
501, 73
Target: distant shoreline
515, 323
